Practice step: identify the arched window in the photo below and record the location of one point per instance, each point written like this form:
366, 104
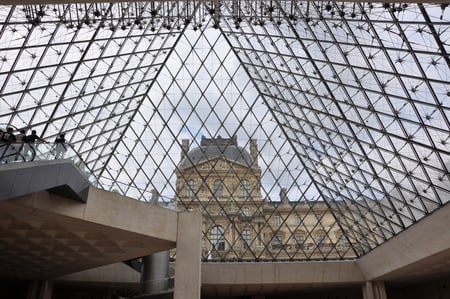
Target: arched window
217, 239
319, 238
245, 188
218, 188
190, 188
278, 241
298, 241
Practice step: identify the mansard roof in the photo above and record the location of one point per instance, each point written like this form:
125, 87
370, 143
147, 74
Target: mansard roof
211, 148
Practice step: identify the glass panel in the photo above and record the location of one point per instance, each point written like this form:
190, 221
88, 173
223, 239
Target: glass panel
301, 130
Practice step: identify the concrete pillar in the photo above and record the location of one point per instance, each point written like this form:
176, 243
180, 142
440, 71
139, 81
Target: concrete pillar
188, 259
374, 290
155, 273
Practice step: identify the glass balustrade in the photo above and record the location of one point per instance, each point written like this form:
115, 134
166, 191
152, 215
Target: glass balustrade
28, 152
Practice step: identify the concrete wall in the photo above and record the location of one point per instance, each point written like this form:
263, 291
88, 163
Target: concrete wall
281, 273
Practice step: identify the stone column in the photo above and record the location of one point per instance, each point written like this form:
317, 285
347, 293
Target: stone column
46, 290
374, 290
188, 260
33, 289
40, 289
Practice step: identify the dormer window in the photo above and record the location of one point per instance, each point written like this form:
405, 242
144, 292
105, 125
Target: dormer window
218, 188
276, 219
245, 188
245, 211
190, 188
246, 238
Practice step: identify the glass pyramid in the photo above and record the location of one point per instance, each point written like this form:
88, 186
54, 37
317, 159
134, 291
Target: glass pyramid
348, 103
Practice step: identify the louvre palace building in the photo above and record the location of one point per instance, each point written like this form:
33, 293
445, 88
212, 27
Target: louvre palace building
219, 176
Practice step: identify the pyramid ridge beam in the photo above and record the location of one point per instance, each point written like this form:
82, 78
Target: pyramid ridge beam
28, 2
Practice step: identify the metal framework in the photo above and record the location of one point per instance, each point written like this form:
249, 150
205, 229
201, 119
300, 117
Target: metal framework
349, 102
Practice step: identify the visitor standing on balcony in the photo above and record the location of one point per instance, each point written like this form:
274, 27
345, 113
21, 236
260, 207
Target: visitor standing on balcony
31, 140
8, 150
33, 137
20, 138
60, 146
2, 145
9, 136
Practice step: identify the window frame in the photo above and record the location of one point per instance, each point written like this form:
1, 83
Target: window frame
216, 234
246, 238
190, 188
218, 188
245, 188
276, 219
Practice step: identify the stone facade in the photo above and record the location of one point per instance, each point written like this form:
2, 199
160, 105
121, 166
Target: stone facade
222, 180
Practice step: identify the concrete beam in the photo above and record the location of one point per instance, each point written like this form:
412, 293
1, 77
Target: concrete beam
44, 236
281, 273
117, 274
105, 208
420, 249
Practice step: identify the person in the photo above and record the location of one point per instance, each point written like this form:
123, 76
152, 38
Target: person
20, 138
9, 136
60, 144
8, 139
33, 137
30, 140
2, 145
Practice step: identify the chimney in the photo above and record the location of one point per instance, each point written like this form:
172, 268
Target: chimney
155, 196
254, 151
184, 148
283, 195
